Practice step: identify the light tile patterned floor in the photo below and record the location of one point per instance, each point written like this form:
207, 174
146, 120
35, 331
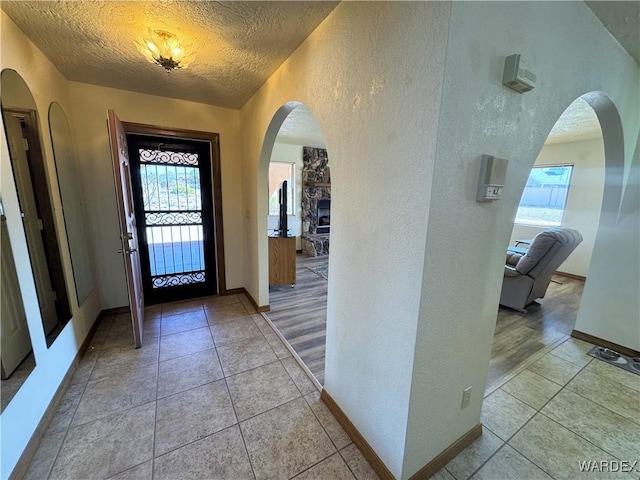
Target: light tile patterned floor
212, 394
565, 408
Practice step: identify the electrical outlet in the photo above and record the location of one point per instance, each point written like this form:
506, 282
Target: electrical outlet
466, 397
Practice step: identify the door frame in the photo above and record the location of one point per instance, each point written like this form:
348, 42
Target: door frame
42, 192
216, 182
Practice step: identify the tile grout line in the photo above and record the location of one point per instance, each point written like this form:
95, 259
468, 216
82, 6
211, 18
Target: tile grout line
155, 415
347, 463
506, 442
539, 411
580, 436
244, 442
596, 403
496, 385
75, 410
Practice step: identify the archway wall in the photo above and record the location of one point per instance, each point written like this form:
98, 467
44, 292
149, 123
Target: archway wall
349, 73
572, 54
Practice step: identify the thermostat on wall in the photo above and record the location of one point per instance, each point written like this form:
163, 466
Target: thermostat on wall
515, 76
493, 172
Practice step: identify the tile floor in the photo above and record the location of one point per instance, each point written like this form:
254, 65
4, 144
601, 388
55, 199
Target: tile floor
565, 408
214, 394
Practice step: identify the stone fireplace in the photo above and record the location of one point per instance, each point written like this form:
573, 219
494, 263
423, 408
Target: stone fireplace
316, 201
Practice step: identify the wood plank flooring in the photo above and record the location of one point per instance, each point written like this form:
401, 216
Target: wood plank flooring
300, 314
518, 336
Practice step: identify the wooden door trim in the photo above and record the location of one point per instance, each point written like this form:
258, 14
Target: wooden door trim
214, 142
42, 193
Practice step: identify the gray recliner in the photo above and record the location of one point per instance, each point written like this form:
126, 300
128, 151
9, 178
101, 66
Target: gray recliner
526, 277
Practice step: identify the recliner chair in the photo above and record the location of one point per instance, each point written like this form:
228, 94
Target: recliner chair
526, 277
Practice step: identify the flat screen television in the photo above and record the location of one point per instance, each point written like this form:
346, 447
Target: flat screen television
283, 225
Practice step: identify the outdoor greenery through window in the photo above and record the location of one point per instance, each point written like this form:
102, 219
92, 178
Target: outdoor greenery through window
278, 173
545, 195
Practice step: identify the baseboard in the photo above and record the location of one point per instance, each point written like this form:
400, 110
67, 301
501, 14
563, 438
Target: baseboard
114, 311
233, 291
369, 454
429, 470
263, 308
571, 275
605, 343
22, 466
438, 463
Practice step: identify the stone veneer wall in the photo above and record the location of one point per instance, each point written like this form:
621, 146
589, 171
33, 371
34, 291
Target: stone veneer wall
316, 185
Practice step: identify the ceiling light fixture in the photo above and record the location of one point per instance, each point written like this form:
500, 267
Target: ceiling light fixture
163, 48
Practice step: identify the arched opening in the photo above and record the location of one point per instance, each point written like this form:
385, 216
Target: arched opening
294, 182
575, 183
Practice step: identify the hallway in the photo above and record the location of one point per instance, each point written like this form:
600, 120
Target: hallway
213, 393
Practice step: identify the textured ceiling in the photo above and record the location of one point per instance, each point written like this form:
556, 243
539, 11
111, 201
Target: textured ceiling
578, 122
622, 19
238, 44
301, 128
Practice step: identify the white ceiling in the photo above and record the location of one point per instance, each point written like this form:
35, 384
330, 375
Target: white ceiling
238, 44
301, 128
578, 122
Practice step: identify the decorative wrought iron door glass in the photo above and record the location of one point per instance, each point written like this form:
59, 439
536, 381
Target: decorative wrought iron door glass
171, 195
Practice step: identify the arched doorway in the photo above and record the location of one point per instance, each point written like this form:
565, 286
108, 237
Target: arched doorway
585, 145
294, 151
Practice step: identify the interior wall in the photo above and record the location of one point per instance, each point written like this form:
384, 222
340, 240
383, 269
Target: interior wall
572, 53
286, 153
610, 304
352, 78
90, 103
584, 201
21, 417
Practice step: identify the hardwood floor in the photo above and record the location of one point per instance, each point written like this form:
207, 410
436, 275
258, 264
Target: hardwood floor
518, 336
300, 314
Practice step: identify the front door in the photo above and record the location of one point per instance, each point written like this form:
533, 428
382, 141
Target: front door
128, 230
172, 187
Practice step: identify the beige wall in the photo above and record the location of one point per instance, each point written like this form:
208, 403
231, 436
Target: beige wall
572, 53
22, 415
370, 101
90, 103
582, 210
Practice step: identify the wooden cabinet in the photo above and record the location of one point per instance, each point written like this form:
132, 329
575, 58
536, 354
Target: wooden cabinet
282, 261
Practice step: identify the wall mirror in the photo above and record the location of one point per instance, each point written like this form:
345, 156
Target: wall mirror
19, 114
16, 353
72, 200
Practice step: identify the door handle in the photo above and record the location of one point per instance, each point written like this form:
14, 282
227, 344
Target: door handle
128, 251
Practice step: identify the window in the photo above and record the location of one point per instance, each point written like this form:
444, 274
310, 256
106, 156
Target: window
278, 173
545, 195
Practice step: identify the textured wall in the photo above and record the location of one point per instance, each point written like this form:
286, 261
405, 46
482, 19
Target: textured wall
90, 103
21, 417
378, 112
572, 53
